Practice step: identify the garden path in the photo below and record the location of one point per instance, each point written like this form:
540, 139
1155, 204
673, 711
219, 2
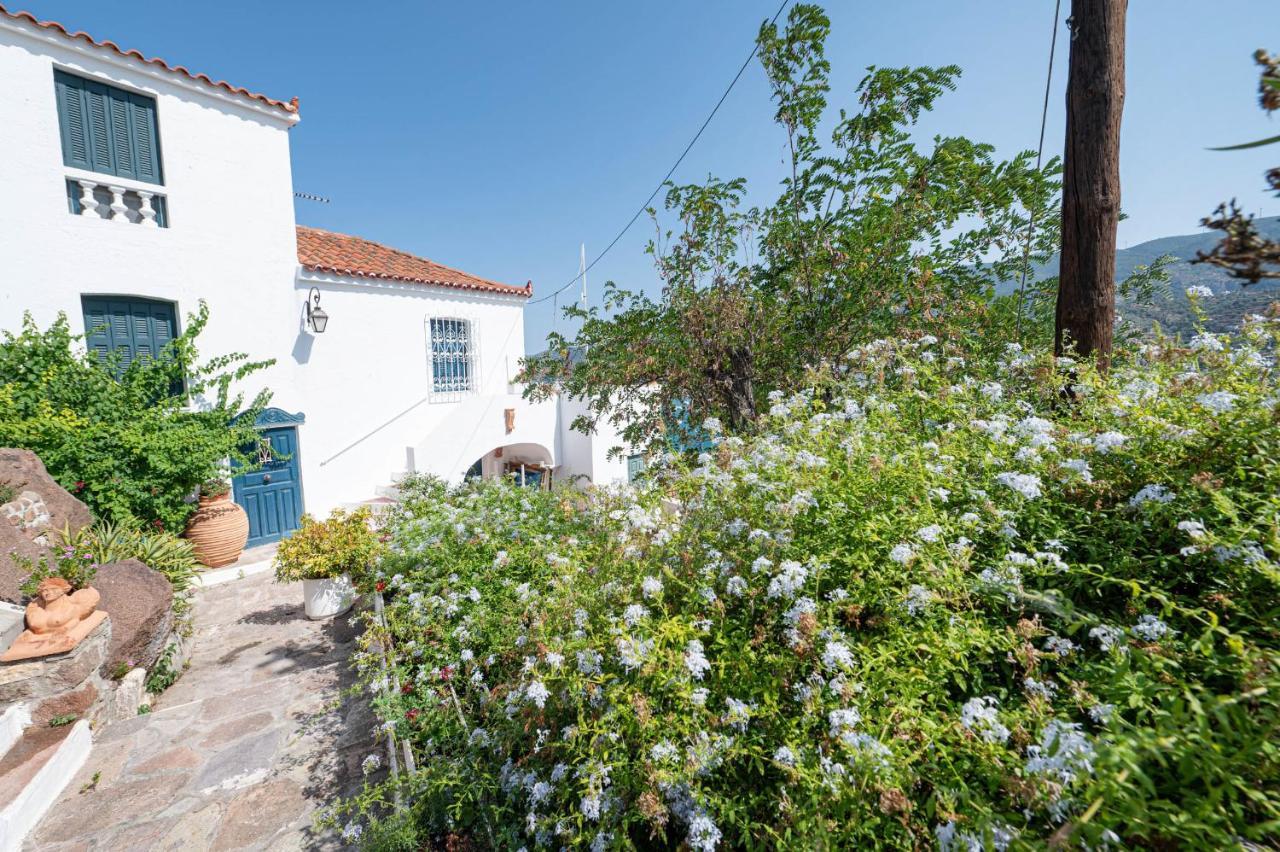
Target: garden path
240, 752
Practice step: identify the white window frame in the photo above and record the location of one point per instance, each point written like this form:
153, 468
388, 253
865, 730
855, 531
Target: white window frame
452, 391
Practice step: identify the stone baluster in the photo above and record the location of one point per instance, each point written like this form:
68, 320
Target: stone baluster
148, 210
118, 209
88, 204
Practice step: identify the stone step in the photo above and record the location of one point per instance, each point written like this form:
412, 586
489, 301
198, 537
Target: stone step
34, 772
376, 505
13, 722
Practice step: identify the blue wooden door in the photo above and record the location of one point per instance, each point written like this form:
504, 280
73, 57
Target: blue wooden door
272, 495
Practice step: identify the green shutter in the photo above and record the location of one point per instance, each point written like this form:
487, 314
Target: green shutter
122, 147
129, 328
146, 141
71, 119
96, 328
108, 130
98, 124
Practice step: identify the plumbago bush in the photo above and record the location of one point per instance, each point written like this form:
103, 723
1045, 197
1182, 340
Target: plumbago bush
931, 604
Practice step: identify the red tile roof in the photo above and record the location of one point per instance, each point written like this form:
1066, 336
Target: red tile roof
291, 106
342, 254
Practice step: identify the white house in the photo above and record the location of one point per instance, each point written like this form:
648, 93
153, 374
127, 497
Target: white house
135, 188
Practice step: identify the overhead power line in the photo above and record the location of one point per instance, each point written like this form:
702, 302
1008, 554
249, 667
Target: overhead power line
670, 172
1044, 118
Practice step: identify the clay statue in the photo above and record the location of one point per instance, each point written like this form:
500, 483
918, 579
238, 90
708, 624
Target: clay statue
56, 620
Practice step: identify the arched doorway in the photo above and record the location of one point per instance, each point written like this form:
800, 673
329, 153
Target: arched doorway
530, 465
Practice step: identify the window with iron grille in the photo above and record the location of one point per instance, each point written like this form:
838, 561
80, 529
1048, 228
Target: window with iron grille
453, 362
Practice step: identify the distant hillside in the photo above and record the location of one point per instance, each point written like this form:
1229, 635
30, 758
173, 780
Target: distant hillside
1231, 301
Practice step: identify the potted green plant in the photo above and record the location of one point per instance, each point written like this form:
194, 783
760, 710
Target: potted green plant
324, 555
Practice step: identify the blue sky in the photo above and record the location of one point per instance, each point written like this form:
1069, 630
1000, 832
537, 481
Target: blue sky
498, 137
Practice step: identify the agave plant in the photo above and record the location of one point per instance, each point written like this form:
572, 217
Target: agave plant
162, 551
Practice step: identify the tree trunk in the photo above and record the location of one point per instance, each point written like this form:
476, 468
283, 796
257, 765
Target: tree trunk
737, 390
1091, 180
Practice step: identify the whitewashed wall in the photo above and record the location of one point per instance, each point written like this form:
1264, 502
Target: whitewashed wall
362, 385
366, 382
230, 197
588, 455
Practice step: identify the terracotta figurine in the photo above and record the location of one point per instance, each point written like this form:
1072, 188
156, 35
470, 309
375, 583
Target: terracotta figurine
56, 620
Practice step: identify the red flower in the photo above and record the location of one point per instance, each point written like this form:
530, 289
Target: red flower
381, 585
446, 672
407, 688
158, 523
412, 714
79, 484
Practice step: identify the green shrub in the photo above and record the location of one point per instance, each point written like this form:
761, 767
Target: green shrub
930, 604
133, 444
162, 674
345, 543
215, 487
71, 563
162, 551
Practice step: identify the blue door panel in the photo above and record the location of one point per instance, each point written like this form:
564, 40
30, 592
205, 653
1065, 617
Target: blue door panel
272, 495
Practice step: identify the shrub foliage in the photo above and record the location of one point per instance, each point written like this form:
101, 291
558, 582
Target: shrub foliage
928, 604
874, 229
344, 543
132, 443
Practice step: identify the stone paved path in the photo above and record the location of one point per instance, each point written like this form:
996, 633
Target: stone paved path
237, 754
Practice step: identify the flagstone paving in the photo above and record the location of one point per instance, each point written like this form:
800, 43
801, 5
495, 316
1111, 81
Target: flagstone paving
240, 752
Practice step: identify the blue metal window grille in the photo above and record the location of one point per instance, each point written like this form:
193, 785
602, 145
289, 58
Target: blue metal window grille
452, 356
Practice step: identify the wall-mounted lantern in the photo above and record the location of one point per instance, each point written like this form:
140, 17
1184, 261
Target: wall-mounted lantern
317, 319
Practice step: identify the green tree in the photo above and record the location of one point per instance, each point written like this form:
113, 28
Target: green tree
1244, 252
133, 448
872, 232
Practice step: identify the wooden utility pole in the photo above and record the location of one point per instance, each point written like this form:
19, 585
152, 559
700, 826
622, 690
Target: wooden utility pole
1091, 180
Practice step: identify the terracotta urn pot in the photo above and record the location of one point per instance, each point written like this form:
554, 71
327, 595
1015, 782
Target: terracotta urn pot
218, 531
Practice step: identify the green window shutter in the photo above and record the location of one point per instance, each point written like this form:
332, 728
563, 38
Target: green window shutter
122, 147
130, 328
108, 130
162, 325
71, 119
121, 327
97, 328
146, 139
98, 123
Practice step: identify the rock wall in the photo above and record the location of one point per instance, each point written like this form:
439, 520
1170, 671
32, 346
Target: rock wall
30, 521
140, 603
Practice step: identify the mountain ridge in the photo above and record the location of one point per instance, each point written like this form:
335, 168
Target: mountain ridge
1231, 301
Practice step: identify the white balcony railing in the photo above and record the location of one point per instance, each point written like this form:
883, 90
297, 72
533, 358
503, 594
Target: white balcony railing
126, 202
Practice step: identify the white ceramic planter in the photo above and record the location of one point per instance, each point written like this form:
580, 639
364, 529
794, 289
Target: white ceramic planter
327, 598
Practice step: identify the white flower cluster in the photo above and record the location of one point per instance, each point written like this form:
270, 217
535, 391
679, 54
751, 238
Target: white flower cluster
1151, 494
1151, 628
1063, 753
981, 715
917, 600
1026, 484
1219, 402
789, 580
695, 660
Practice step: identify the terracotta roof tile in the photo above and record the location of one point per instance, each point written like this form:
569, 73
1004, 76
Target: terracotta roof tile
342, 254
290, 106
